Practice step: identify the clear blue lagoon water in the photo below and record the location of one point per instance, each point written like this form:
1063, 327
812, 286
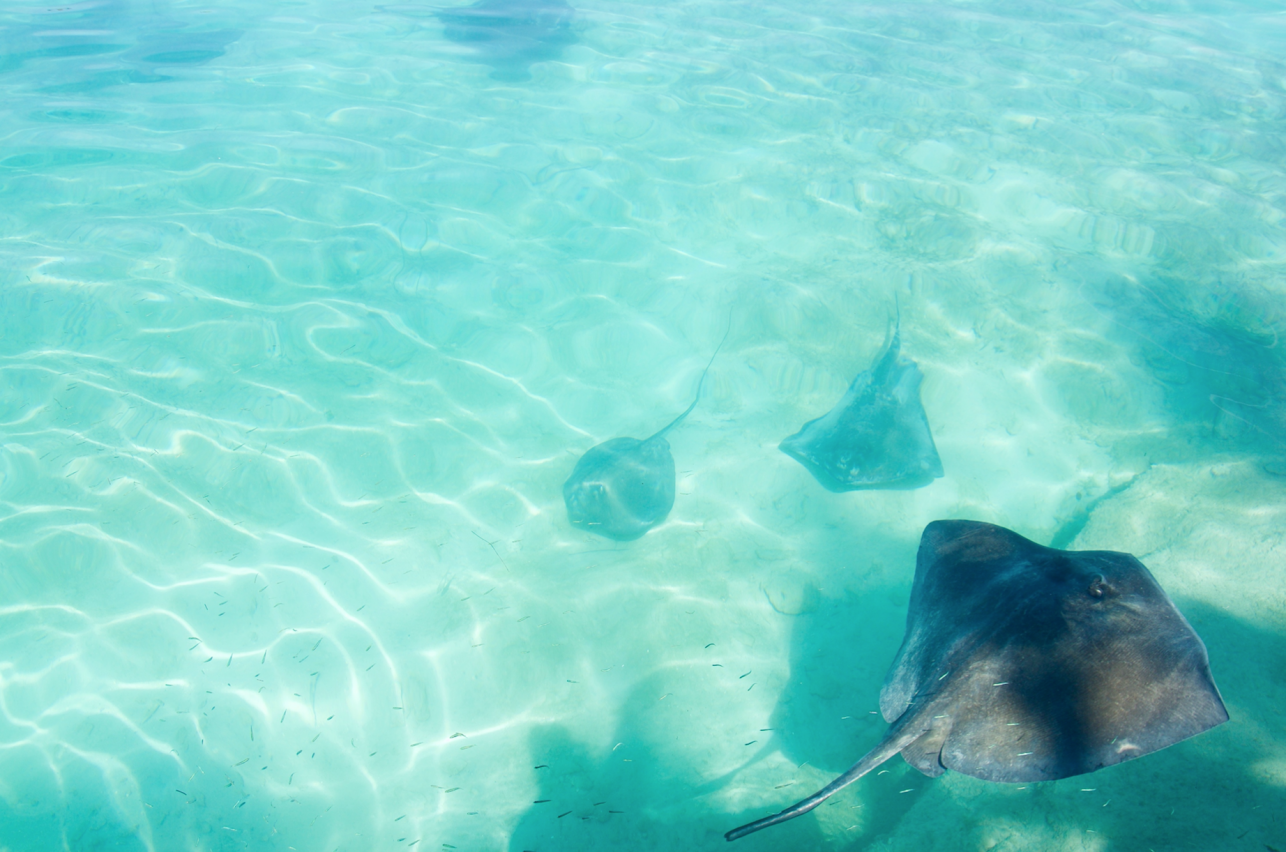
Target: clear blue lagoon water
307, 310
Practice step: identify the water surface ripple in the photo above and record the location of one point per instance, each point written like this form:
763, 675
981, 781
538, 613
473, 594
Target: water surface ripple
307, 311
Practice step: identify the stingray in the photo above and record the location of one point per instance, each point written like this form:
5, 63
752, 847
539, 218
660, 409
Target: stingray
622, 488
877, 435
1023, 663
511, 35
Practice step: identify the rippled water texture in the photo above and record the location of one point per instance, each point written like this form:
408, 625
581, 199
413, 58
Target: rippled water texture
308, 309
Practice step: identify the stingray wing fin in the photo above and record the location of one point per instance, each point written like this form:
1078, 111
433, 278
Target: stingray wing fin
1093, 701
956, 584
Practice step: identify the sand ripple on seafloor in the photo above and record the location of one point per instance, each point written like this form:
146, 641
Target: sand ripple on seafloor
305, 316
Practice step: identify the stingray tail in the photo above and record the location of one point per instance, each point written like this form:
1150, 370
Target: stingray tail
676, 421
892, 340
894, 741
889, 355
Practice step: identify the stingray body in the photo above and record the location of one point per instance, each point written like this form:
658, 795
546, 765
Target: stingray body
877, 436
1024, 663
622, 488
511, 35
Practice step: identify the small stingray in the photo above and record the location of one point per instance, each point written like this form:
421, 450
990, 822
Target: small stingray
511, 35
876, 436
1024, 663
622, 488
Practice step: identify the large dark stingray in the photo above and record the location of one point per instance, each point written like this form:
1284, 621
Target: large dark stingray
622, 488
1024, 663
511, 35
877, 435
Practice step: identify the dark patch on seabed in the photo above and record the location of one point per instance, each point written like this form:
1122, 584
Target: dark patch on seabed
1214, 348
89, 47
511, 35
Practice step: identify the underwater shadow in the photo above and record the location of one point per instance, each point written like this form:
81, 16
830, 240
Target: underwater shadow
1215, 352
589, 800
585, 801
827, 715
652, 787
89, 47
511, 35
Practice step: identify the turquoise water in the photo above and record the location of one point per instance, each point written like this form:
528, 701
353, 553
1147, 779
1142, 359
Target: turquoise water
308, 309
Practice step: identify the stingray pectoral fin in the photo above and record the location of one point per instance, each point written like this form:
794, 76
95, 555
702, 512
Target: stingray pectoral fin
898, 738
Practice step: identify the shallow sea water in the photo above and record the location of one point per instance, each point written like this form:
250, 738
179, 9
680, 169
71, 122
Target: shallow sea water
307, 310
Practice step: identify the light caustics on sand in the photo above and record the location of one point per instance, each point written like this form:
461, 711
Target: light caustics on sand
305, 318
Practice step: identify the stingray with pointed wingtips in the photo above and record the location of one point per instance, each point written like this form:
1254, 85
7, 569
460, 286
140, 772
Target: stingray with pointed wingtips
877, 435
623, 487
1024, 663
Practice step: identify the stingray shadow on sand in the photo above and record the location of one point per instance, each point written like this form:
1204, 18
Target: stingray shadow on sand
1215, 354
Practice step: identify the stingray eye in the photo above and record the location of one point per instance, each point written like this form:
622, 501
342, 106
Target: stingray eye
1098, 586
